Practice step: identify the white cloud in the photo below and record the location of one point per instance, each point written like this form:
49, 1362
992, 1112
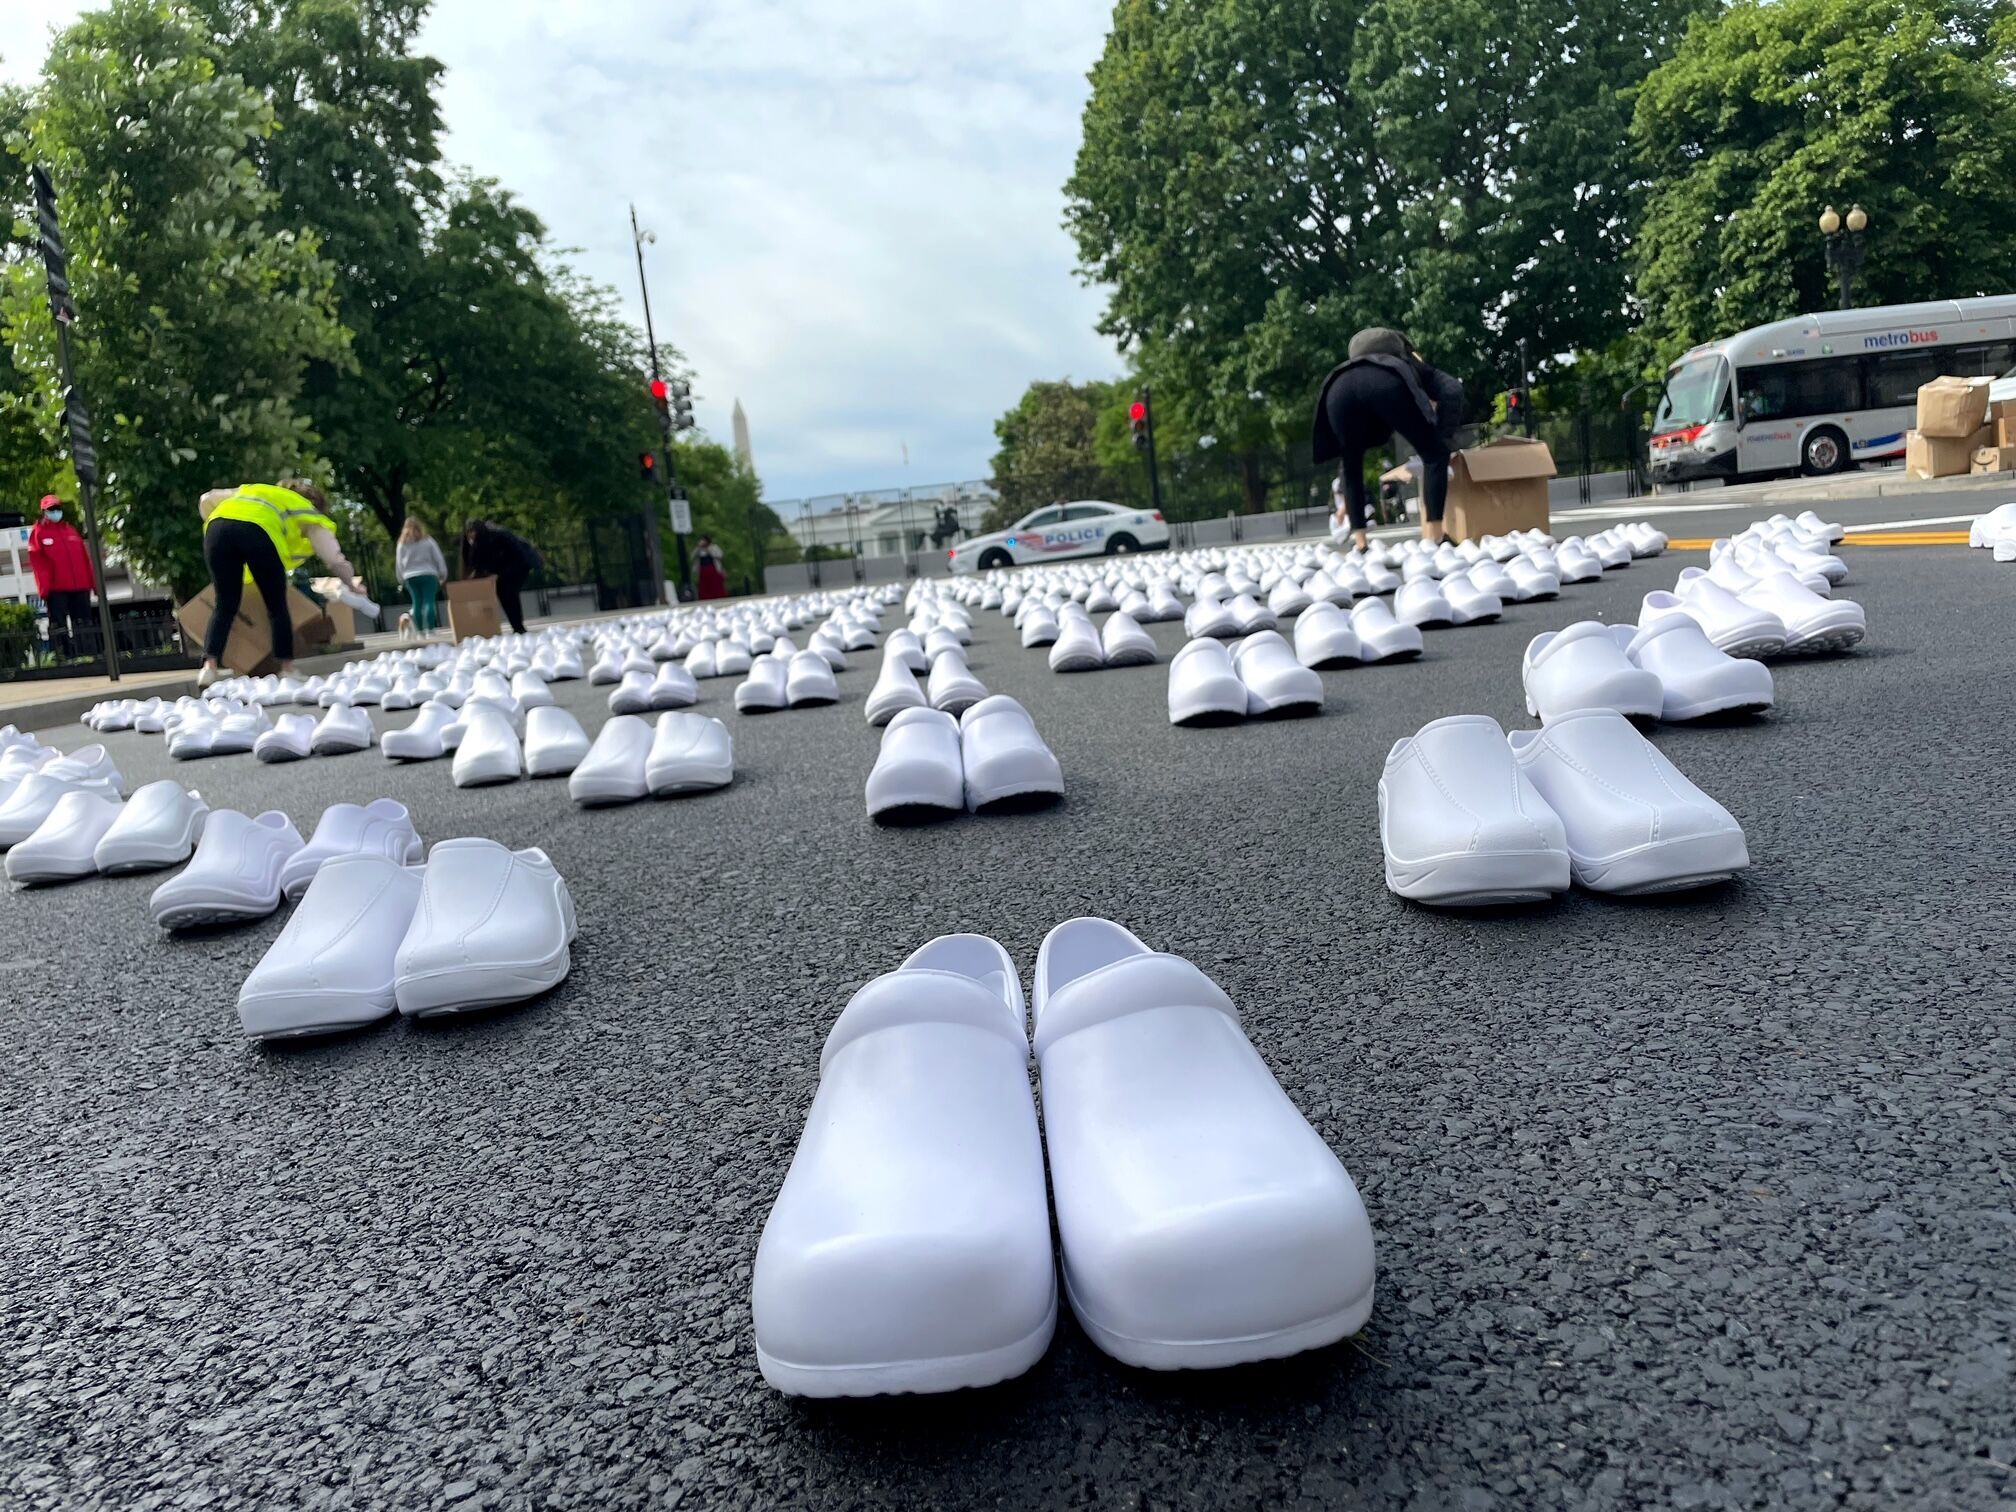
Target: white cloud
857, 202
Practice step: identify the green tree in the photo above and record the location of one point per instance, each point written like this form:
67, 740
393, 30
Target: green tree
728, 505
1260, 178
1048, 448
200, 306
1769, 112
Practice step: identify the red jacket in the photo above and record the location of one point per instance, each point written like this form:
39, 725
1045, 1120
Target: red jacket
59, 558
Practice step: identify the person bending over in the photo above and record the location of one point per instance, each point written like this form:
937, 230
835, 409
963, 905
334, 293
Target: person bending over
258, 533
1383, 388
492, 551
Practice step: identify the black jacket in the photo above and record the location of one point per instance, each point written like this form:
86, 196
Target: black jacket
1439, 395
497, 553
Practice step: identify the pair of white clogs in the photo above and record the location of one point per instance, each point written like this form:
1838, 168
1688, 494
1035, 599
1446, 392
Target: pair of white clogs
631, 757
1203, 1222
930, 765
477, 926
1470, 817
1210, 683
1668, 670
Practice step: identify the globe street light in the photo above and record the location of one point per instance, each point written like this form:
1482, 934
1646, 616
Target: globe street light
1844, 247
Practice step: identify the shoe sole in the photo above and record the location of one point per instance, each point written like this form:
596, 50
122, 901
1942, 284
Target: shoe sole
1682, 713
1834, 639
1481, 881
912, 1377
1216, 1354
209, 915
1665, 866
310, 1016
470, 989
1753, 647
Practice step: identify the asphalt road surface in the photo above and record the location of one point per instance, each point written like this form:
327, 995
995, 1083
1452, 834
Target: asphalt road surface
1695, 1202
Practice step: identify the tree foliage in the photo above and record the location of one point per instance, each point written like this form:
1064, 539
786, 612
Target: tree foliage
200, 307
1047, 450
1260, 178
1769, 112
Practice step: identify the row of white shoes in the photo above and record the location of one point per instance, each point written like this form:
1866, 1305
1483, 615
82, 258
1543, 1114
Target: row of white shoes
990, 758
1766, 592
1202, 1222
36, 779
1669, 669
1470, 816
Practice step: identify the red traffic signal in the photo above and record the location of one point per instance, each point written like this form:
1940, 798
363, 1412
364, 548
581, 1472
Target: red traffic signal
660, 390
1137, 419
1137, 412
647, 463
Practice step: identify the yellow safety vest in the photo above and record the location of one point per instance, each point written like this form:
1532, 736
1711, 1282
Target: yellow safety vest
284, 515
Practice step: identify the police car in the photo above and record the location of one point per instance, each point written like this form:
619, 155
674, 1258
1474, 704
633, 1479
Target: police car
1063, 531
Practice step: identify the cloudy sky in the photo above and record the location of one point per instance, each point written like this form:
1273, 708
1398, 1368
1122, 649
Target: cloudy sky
857, 202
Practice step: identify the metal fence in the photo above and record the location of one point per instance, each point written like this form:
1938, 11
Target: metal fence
146, 634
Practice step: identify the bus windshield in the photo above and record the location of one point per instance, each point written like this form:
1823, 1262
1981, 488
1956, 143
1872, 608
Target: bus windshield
1696, 392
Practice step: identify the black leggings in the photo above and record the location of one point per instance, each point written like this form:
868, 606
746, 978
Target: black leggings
1366, 405
508, 586
231, 546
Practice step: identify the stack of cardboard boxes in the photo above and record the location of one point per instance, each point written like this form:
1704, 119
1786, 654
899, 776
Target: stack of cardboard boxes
1960, 432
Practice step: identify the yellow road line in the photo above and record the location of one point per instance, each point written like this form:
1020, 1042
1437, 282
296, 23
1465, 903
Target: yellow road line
1887, 538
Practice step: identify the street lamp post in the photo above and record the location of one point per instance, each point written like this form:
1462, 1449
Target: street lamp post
661, 394
1844, 248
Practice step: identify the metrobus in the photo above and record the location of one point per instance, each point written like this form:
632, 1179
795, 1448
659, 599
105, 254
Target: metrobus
1819, 393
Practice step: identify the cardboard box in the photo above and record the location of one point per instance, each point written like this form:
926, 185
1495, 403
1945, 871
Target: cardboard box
1995, 459
1942, 456
249, 651
1952, 407
1498, 487
2002, 420
473, 608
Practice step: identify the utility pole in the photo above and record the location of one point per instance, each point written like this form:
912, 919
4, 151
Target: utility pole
1525, 390
83, 450
661, 396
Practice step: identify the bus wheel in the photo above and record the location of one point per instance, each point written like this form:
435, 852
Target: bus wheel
1825, 451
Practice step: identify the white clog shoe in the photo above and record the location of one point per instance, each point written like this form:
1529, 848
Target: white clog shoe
1005, 760
1531, 581
767, 687
1125, 644
952, 688
1250, 616
158, 827
1324, 637
904, 647
690, 753
1583, 667
919, 772
1204, 686
1381, 637
613, 769
493, 926
1809, 521
65, 844
1209, 618
1696, 680
1039, 628
1576, 563
1461, 825
1737, 628
381, 827
809, 681
234, 874
331, 969
190, 736
1203, 1222
487, 747
632, 695
1421, 604
530, 691
732, 659
1634, 823
1468, 603
344, 729
674, 687
89, 768
1276, 683
1077, 647
1812, 623
554, 741
896, 688
909, 1249
239, 733
427, 738
700, 661
290, 739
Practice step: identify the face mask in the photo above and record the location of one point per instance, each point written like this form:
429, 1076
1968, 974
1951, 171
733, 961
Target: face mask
52, 514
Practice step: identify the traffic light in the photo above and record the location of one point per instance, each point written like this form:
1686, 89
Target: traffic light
647, 463
682, 406
661, 398
1137, 417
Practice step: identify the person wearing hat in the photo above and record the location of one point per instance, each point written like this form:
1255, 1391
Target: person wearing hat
64, 580
258, 533
1383, 388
